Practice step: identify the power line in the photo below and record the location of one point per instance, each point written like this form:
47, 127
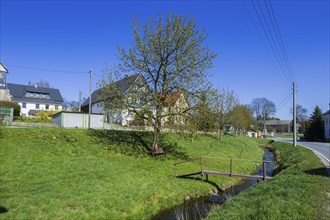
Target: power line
46, 70
278, 35
275, 43
265, 45
269, 40
279, 56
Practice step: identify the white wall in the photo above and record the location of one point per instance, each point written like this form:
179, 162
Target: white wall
327, 127
32, 106
78, 120
97, 108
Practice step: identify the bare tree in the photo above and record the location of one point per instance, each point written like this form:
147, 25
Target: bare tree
171, 57
223, 104
43, 84
301, 113
263, 108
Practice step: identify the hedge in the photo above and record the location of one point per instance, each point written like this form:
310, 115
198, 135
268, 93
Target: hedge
16, 107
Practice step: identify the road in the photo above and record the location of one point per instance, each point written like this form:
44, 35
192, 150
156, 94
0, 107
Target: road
322, 150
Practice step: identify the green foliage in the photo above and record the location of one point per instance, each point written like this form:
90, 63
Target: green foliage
52, 173
297, 192
46, 114
314, 130
171, 56
204, 116
33, 120
241, 118
16, 107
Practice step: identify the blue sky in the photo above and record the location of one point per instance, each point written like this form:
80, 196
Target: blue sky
83, 35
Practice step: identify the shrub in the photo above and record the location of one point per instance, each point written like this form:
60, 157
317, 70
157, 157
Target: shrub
46, 114
16, 107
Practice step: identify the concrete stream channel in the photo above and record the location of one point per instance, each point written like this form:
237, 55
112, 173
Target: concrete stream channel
200, 207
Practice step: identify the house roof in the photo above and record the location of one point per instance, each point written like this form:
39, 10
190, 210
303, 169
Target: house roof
19, 91
122, 85
327, 112
3, 68
171, 98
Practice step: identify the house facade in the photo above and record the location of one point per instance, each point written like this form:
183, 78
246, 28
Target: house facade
33, 99
174, 105
326, 117
135, 91
126, 87
4, 92
278, 125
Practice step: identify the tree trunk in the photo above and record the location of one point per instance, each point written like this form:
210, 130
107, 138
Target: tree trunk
155, 143
156, 138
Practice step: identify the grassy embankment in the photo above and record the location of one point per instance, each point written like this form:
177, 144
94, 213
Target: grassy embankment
300, 191
50, 173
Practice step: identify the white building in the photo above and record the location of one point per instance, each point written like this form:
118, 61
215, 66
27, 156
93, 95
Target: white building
32, 99
126, 87
326, 117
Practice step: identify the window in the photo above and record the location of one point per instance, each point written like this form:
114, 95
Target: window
37, 106
47, 106
56, 107
24, 105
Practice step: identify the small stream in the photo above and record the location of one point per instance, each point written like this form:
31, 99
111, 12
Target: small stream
199, 208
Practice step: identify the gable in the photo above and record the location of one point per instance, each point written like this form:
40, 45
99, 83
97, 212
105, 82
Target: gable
122, 85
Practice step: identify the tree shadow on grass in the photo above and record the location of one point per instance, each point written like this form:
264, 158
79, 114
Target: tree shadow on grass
322, 171
3, 210
200, 179
136, 143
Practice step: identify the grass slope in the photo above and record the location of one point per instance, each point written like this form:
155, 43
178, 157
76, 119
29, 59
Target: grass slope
48, 173
299, 191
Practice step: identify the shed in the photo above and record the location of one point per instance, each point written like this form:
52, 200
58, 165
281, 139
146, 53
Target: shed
77, 120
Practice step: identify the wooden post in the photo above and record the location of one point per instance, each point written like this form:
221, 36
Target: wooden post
231, 167
264, 170
201, 161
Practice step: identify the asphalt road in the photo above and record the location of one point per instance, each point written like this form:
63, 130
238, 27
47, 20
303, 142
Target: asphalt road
322, 150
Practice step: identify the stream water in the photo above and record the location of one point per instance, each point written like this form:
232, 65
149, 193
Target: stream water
199, 208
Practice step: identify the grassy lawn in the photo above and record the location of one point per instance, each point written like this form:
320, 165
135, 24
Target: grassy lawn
299, 191
48, 173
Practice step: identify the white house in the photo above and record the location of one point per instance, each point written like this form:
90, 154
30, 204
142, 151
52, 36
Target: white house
326, 117
32, 99
126, 87
135, 90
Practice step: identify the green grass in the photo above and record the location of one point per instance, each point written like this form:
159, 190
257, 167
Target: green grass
298, 191
51, 173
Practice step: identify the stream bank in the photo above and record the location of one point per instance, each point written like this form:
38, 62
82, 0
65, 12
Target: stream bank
200, 207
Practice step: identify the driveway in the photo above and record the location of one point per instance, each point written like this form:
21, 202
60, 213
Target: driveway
322, 150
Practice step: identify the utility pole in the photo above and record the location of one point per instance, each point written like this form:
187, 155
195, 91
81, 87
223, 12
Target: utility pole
90, 99
79, 100
294, 115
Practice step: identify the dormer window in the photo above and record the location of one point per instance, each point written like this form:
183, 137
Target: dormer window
37, 95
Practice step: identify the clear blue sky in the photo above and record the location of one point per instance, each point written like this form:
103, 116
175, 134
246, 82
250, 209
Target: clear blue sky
84, 35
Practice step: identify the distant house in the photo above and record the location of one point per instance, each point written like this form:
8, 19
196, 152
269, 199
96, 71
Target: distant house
125, 87
326, 117
278, 125
32, 99
174, 104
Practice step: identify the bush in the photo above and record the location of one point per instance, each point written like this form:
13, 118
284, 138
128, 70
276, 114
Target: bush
16, 107
33, 120
46, 114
